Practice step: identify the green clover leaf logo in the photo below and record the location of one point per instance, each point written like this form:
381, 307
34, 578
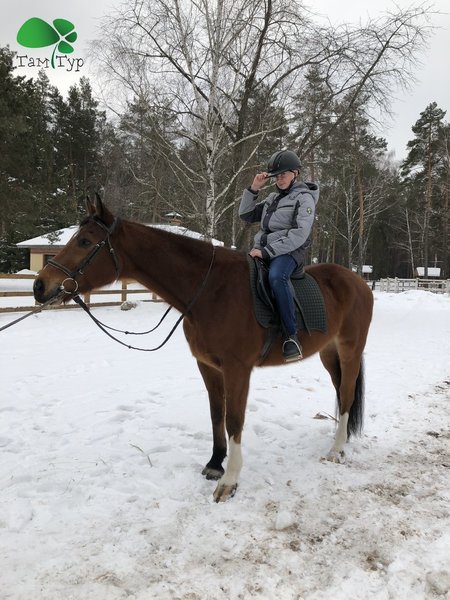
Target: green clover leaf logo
37, 33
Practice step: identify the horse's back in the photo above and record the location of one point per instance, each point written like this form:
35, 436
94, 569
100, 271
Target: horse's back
344, 283
348, 298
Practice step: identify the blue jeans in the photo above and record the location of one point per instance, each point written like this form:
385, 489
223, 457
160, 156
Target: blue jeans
280, 270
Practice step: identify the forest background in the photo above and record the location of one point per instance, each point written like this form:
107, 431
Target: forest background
197, 95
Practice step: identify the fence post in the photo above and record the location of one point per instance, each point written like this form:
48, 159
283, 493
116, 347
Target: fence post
123, 295
87, 298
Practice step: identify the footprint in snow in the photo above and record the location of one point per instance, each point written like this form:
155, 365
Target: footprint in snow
19, 514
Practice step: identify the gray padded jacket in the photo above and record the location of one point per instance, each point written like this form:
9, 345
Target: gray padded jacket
286, 218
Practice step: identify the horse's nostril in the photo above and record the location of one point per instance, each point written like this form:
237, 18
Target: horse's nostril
38, 289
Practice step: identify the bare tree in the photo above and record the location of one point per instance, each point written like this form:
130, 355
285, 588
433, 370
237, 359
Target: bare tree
207, 60
350, 211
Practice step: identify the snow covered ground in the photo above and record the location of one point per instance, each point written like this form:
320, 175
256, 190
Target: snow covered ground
101, 447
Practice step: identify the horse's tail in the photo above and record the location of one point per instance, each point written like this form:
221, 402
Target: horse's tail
356, 414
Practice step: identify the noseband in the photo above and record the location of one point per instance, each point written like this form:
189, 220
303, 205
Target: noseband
71, 275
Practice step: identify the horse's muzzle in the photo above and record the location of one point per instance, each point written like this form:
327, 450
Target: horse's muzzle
41, 295
38, 290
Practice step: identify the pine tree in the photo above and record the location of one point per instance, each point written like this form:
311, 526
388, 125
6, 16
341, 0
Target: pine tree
49, 155
355, 187
422, 171
78, 124
16, 162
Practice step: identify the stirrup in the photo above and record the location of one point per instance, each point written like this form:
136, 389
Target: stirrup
292, 349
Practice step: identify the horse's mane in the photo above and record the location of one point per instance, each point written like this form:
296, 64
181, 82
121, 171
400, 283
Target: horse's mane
187, 243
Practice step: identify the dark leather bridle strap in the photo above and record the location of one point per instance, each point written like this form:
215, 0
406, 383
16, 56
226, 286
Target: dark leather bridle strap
186, 311
95, 250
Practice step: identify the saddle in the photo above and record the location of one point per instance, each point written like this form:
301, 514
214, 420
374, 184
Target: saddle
308, 300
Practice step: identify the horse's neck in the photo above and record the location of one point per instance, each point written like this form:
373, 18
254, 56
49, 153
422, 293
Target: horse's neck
168, 265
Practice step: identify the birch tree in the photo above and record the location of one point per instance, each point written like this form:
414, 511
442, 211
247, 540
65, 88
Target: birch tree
360, 186
207, 60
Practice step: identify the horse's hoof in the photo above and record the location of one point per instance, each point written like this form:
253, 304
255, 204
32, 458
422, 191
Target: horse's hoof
224, 492
335, 457
211, 473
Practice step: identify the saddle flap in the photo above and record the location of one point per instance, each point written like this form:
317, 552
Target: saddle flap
308, 298
262, 283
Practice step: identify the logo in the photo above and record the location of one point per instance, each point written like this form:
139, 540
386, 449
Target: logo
37, 33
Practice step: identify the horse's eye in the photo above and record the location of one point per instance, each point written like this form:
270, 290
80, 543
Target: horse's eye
84, 242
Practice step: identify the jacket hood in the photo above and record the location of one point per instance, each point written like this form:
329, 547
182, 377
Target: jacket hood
307, 186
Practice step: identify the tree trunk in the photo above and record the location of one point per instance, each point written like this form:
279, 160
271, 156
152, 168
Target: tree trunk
361, 221
428, 194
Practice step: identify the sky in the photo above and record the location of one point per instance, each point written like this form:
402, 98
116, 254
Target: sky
433, 83
102, 448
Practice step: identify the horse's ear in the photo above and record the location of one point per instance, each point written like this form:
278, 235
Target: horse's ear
90, 208
98, 206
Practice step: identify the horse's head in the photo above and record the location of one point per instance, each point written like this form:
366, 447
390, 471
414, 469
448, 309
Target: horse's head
86, 262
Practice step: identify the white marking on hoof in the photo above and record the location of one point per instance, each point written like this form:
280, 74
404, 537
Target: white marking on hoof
335, 457
226, 487
337, 454
223, 492
341, 434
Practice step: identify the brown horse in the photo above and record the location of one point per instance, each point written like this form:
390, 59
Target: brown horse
212, 285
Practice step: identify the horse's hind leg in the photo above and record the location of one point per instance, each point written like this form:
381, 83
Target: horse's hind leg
330, 360
346, 372
214, 384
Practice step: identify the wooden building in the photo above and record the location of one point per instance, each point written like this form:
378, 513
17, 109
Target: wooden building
46, 246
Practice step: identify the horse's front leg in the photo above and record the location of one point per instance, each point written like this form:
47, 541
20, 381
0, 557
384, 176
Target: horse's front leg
214, 384
236, 379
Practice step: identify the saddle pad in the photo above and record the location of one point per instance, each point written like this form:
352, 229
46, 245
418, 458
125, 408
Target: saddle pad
308, 295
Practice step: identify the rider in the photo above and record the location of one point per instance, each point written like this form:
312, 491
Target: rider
286, 218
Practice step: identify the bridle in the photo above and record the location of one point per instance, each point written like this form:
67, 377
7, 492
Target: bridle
71, 275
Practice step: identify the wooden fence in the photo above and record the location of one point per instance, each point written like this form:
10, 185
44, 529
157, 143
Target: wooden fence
123, 293
403, 285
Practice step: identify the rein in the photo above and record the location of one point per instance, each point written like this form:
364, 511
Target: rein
87, 261
34, 311
104, 327
71, 275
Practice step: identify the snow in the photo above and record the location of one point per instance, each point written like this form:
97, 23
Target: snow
62, 236
101, 496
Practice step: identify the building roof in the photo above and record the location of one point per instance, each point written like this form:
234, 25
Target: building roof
62, 236
432, 271
365, 269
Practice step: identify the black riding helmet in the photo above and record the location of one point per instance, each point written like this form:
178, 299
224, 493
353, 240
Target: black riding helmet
282, 161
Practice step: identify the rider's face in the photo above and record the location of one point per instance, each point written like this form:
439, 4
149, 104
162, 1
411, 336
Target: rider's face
285, 179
